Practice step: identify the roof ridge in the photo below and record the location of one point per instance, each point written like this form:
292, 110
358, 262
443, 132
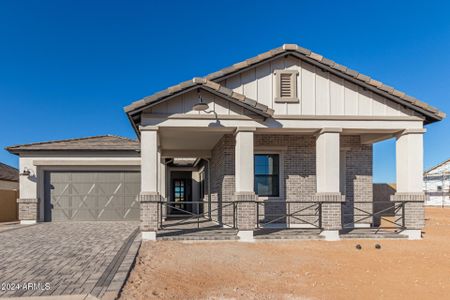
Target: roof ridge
64, 140
328, 63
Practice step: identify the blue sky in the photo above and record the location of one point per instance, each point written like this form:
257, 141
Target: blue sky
67, 68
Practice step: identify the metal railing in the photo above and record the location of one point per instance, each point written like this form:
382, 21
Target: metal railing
224, 215
292, 214
395, 211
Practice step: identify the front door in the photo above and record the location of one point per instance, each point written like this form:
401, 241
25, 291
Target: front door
181, 196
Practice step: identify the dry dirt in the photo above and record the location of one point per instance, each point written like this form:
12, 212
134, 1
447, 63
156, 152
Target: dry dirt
401, 269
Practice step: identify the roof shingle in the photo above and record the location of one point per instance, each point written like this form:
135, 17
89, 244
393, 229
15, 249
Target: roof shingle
93, 143
8, 173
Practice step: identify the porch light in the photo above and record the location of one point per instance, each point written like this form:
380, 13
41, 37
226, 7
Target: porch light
200, 106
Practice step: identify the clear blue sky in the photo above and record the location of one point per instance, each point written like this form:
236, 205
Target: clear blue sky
67, 68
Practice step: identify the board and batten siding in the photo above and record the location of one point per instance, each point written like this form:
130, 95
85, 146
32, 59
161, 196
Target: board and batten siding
182, 104
320, 93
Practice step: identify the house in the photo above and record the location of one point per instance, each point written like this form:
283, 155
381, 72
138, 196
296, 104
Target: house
281, 140
9, 187
437, 184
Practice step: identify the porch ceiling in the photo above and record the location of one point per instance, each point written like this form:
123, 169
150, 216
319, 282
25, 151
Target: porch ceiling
190, 139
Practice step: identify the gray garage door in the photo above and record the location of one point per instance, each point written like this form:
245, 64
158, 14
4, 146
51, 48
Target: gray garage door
91, 196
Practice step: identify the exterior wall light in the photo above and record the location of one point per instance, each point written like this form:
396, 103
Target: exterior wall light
200, 106
25, 172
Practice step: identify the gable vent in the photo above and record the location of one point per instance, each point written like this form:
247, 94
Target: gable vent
285, 85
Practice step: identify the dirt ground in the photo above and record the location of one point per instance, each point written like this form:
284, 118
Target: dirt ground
401, 269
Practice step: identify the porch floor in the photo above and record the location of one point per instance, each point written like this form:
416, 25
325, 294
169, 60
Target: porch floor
182, 228
371, 233
284, 233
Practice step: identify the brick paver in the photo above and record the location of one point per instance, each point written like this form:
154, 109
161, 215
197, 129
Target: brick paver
70, 258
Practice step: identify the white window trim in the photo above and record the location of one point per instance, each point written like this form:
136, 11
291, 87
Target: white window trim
281, 194
294, 85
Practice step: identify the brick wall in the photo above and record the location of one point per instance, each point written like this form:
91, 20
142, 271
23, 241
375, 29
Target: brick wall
298, 159
358, 185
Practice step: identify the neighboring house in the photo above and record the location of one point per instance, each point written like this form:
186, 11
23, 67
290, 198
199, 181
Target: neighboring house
283, 139
437, 184
9, 187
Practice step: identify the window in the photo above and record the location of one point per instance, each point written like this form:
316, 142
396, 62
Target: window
286, 86
267, 175
439, 188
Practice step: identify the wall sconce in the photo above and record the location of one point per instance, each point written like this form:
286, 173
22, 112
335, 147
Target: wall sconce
25, 172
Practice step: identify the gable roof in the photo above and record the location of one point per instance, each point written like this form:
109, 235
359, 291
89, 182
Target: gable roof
92, 143
8, 173
202, 83
430, 113
365, 81
437, 166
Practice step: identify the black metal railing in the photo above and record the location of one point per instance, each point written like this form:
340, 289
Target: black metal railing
393, 215
289, 214
179, 215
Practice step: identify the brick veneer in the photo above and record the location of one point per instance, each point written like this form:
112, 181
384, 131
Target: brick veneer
28, 209
299, 174
414, 209
149, 211
246, 210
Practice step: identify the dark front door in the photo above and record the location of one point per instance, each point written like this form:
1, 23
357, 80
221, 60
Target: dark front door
181, 196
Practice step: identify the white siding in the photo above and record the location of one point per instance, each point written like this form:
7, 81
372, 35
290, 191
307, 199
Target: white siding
319, 93
183, 105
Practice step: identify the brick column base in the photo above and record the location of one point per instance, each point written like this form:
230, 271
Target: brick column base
28, 210
245, 210
149, 211
331, 210
414, 213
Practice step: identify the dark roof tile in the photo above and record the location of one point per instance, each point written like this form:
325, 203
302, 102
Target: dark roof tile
8, 173
93, 143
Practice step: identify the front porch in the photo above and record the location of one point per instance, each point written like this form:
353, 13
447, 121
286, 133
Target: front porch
243, 183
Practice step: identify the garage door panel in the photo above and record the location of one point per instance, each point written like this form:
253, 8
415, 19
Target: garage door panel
132, 177
132, 214
90, 196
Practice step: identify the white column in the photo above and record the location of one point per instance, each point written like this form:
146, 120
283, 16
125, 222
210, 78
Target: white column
244, 184
328, 160
149, 198
328, 154
409, 161
149, 160
244, 176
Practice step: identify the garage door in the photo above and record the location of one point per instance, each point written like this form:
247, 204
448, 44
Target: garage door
91, 196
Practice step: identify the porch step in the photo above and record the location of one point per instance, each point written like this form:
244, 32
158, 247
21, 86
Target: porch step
371, 234
291, 234
200, 235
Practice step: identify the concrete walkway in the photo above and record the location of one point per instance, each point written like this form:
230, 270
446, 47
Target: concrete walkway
74, 259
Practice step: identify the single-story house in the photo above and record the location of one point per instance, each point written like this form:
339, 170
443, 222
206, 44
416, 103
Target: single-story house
9, 191
280, 140
437, 184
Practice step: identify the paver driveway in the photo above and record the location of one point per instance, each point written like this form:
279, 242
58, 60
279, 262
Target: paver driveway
63, 258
